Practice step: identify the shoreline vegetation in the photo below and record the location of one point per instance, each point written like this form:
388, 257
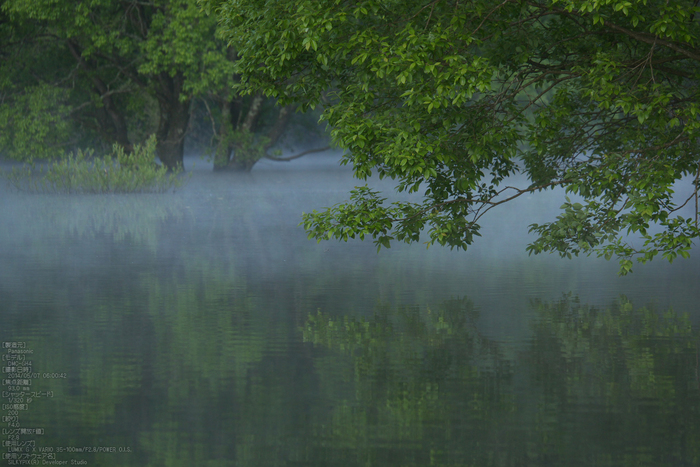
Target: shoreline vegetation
83, 173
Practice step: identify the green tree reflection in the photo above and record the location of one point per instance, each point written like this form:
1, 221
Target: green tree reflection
422, 386
209, 357
429, 388
624, 383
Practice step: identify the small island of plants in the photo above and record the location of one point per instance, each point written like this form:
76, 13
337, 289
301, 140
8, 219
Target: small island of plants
83, 172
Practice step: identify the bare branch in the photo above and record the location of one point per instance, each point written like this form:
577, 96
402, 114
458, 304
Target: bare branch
297, 156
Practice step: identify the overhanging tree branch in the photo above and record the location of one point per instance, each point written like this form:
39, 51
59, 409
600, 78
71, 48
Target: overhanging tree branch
297, 156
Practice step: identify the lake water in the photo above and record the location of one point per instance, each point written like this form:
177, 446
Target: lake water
202, 328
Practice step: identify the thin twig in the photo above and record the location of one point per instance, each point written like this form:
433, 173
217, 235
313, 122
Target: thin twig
487, 16
429, 16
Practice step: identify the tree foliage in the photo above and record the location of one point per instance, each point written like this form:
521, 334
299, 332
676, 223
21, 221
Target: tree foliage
450, 98
77, 74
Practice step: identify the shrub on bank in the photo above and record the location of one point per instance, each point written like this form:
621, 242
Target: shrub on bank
119, 172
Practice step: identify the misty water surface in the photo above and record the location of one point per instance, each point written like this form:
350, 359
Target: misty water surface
203, 328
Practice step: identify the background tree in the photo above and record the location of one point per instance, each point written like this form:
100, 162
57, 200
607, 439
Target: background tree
453, 97
33, 117
116, 71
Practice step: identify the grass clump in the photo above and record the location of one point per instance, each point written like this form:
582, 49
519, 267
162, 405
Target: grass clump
119, 172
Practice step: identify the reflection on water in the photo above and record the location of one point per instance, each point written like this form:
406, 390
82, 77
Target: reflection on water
203, 329
589, 387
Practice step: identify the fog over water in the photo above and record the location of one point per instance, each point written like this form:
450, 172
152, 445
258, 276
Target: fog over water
254, 217
192, 313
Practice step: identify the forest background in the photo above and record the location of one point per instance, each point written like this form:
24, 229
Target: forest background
598, 97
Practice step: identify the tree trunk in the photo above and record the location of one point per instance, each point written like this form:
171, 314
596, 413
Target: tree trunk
244, 158
245, 150
224, 146
174, 118
280, 125
111, 122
